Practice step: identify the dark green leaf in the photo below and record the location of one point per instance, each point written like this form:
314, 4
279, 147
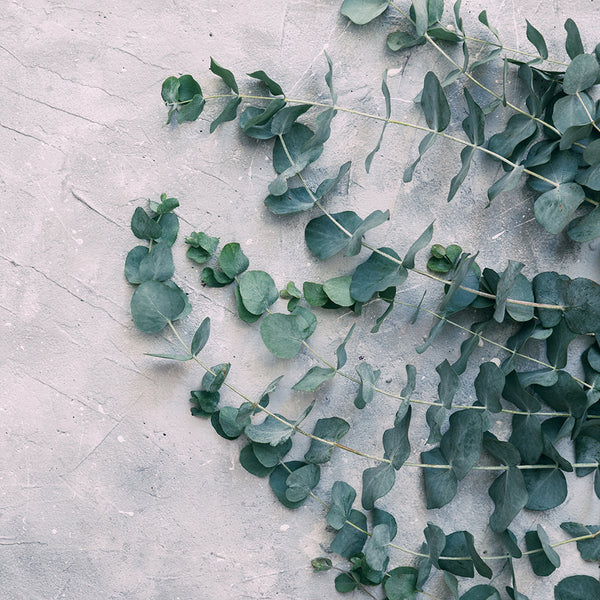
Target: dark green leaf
527, 437
480, 565
224, 74
325, 239
509, 494
342, 498
519, 129
363, 11
314, 378
400, 40
301, 482
421, 242
421, 16
537, 39
425, 144
205, 403
388, 111
489, 384
557, 345
462, 442
449, 383
281, 124
505, 452
481, 592
170, 228
590, 548
338, 290
546, 560
550, 288
591, 153
328, 184
201, 336
283, 334
484, 19
466, 155
274, 87
377, 274
233, 262
154, 304
573, 43
506, 183
258, 290
510, 543
321, 564
345, 583
456, 546
215, 278
278, 482
590, 177
376, 548
212, 382
166, 205
249, 461
395, 440
555, 208
401, 584
352, 536
434, 103
581, 74
440, 483
340, 352
132, 263
229, 113
572, 111
436, 417
270, 456
230, 426
436, 540
577, 587
368, 381
377, 482
157, 264
273, 431
191, 110
582, 312
452, 584
332, 429
143, 226
202, 246
293, 201
547, 488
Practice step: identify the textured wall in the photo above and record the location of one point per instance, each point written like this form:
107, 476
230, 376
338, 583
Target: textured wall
108, 487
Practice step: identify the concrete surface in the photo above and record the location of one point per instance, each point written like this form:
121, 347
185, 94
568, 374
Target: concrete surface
109, 488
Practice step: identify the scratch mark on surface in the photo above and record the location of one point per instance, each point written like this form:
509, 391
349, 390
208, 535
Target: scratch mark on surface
61, 286
62, 110
93, 208
27, 135
93, 449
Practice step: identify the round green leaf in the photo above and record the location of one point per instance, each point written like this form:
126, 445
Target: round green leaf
258, 291
363, 11
154, 304
581, 74
338, 290
401, 584
586, 228
577, 587
283, 334
570, 111
554, 209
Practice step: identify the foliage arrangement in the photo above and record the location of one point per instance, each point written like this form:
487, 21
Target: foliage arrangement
554, 141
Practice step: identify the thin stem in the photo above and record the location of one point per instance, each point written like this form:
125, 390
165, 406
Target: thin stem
587, 112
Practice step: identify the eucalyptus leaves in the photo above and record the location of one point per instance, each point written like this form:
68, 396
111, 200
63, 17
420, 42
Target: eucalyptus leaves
554, 141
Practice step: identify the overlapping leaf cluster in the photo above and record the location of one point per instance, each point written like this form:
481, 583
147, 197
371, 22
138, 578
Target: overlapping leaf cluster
545, 403
554, 139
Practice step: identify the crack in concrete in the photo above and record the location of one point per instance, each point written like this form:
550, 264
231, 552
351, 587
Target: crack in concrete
27, 135
74, 399
93, 208
57, 108
61, 286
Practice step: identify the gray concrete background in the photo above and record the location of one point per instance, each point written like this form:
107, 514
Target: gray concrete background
108, 487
